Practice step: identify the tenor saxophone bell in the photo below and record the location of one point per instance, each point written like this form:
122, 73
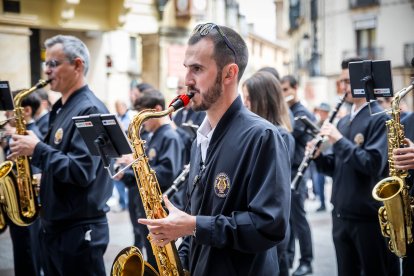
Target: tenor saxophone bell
395, 216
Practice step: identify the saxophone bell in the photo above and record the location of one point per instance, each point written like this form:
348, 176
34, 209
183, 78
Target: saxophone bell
395, 216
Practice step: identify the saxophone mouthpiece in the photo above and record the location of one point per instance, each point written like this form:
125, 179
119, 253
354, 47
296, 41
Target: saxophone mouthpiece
181, 101
42, 83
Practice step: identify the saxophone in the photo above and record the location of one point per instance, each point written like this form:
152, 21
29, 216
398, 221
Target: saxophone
395, 217
130, 260
19, 191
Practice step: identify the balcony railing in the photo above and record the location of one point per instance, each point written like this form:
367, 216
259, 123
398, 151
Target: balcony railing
353, 4
372, 53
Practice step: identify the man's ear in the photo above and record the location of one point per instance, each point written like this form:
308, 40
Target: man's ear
158, 107
230, 72
79, 64
27, 111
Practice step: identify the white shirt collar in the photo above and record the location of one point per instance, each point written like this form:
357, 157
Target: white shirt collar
204, 134
355, 112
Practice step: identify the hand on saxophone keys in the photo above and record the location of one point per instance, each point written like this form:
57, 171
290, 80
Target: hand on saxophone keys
177, 224
23, 145
404, 157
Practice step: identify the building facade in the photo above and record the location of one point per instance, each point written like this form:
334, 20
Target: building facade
325, 32
130, 41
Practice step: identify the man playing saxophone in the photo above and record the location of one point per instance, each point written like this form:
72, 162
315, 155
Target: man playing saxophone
75, 186
238, 193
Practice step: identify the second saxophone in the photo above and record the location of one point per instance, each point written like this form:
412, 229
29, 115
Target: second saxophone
395, 217
19, 190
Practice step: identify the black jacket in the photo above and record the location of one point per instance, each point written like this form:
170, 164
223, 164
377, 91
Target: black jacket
357, 163
242, 200
74, 186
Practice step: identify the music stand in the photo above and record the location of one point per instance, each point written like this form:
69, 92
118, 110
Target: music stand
6, 99
104, 137
371, 79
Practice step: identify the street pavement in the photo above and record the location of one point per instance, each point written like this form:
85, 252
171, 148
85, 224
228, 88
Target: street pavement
324, 263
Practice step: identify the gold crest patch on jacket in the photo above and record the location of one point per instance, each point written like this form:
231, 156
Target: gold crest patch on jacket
359, 139
222, 185
152, 153
58, 136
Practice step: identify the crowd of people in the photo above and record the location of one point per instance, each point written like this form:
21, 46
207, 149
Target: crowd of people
236, 213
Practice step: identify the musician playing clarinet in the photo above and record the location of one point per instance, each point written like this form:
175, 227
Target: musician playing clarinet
356, 163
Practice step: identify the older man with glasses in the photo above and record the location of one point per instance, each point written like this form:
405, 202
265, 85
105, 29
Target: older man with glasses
74, 186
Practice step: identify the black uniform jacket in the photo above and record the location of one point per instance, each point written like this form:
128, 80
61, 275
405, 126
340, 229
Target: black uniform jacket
300, 134
43, 124
74, 186
193, 117
165, 155
289, 141
242, 199
357, 164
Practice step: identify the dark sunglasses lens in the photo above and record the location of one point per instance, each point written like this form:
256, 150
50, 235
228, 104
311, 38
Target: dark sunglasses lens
205, 30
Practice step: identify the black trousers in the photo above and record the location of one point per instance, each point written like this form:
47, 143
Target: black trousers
408, 262
26, 248
282, 254
300, 228
78, 250
361, 249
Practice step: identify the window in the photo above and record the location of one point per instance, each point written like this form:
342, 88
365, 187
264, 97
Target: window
366, 45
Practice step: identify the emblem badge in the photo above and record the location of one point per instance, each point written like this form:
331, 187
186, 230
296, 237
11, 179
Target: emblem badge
58, 136
152, 153
359, 139
222, 185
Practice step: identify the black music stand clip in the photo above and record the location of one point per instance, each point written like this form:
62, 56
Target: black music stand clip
6, 99
371, 79
104, 137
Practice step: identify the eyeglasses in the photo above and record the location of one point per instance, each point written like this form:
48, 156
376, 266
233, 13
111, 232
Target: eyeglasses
205, 29
344, 81
53, 63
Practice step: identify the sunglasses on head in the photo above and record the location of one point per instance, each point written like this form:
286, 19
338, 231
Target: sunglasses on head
205, 29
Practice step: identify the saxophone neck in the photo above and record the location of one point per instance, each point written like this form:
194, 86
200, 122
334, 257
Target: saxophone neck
135, 126
136, 123
22, 94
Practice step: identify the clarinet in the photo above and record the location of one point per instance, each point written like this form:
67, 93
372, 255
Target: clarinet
178, 182
308, 157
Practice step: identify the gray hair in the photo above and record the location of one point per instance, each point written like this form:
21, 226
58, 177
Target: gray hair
73, 48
